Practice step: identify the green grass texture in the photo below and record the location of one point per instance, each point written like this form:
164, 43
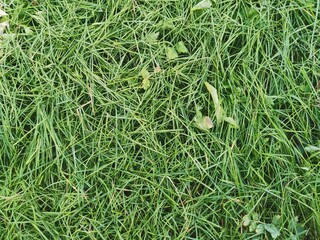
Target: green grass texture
107, 129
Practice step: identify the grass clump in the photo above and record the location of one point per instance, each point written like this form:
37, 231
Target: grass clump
90, 148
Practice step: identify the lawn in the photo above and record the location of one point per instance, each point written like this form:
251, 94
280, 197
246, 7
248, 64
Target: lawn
160, 119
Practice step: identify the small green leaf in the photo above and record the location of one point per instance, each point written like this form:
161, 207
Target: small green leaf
181, 48
145, 83
253, 226
296, 228
27, 30
305, 168
300, 229
219, 114
293, 222
145, 75
10, 37
246, 220
166, 24
171, 53
255, 216
311, 149
198, 112
276, 220
231, 121
3, 26
214, 94
157, 69
273, 230
3, 13
204, 4
152, 37
204, 123
260, 229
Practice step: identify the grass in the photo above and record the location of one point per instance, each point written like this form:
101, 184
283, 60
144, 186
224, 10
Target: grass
87, 153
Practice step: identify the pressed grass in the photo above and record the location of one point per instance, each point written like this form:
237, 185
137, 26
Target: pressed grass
87, 153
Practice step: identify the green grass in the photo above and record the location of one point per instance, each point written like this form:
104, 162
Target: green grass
87, 153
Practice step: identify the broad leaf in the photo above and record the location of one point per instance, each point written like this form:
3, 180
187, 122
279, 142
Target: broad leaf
214, 94
145, 83
202, 5
3, 13
171, 53
311, 149
253, 226
166, 24
152, 37
204, 123
157, 69
246, 220
260, 229
3, 27
181, 48
276, 220
231, 121
145, 75
273, 230
255, 216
